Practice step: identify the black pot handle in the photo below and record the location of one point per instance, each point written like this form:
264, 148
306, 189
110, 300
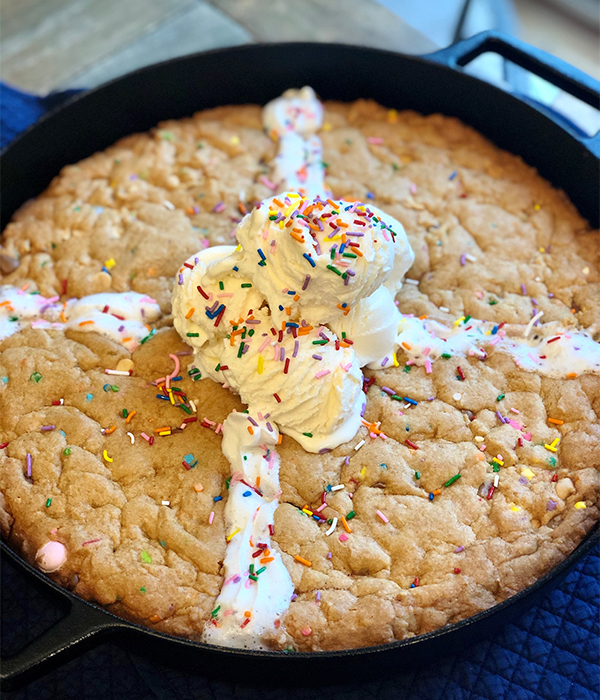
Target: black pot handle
550, 68
82, 625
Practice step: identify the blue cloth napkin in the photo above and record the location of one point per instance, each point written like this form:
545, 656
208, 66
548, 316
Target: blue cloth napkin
552, 652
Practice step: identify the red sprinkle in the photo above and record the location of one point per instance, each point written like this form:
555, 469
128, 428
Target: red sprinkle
277, 398
416, 583
461, 374
245, 622
457, 571
186, 465
204, 294
287, 365
3, 445
411, 444
271, 530
219, 317
191, 267
554, 477
490, 493
64, 286
151, 441
191, 419
553, 340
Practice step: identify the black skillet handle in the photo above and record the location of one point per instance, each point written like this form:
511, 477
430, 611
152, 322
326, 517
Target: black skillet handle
82, 625
550, 68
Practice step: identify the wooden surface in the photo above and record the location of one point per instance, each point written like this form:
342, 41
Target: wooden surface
51, 45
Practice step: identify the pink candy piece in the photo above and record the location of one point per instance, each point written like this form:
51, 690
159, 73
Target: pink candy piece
343, 537
51, 556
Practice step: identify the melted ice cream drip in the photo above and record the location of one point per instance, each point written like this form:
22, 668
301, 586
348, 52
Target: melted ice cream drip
120, 316
257, 589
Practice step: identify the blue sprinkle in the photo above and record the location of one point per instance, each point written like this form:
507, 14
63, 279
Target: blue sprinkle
164, 398
105, 270
291, 293
107, 387
292, 325
62, 432
453, 175
246, 494
310, 260
280, 307
89, 397
431, 497
328, 488
236, 268
4, 380
412, 401
217, 498
262, 255
370, 195
316, 517
189, 458
494, 330
98, 210
412, 585
176, 379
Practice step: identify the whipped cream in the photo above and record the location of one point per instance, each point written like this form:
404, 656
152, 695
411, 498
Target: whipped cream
120, 316
257, 590
293, 120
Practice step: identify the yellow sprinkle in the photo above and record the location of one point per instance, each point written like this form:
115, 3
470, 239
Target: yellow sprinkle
392, 116
537, 207
238, 248
458, 320
235, 140
260, 364
528, 473
549, 447
106, 457
293, 195
165, 432
542, 250
290, 209
396, 363
580, 505
233, 534
516, 509
327, 126
171, 396
555, 442
363, 471
109, 263
498, 461
308, 512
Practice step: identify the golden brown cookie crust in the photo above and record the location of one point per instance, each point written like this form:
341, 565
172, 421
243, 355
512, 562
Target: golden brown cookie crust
146, 204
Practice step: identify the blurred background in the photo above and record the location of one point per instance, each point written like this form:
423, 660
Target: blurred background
54, 45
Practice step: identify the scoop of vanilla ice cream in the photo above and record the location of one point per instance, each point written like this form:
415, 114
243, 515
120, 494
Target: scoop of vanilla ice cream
316, 259
372, 325
295, 112
199, 292
313, 392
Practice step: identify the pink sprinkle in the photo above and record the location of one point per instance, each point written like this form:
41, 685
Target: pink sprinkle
428, 366
219, 428
264, 345
90, 542
146, 437
267, 183
248, 583
322, 373
515, 425
219, 207
514, 410
527, 436
229, 580
482, 448
321, 507
343, 537
382, 516
495, 340
210, 422
375, 139
413, 188
211, 517
306, 631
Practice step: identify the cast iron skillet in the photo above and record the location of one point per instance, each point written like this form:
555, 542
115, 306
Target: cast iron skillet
256, 74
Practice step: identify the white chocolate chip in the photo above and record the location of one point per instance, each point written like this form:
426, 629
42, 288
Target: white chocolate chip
564, 488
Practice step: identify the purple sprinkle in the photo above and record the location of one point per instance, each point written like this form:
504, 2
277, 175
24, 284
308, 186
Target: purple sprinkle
388, 390
196, 261
356, 233
48, 427
385, 361
28, 465
306, 281
346, 281
463, 259
269, 427
363, 409
121, 329
351, 273
459, 549
317, 357
245, 350
296, 348
550, 295
318, 596
237, 579
431, 398
329, 555
500, 418
523, 480
133, 177
524, 289
317, 247
143, 311
323, 336
180, 278
323, 450
281, 353
551, 505
253, 421
347, 460
294, 596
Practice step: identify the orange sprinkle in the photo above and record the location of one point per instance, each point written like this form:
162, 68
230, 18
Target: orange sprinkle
341, 224
242, 208
571, 375
288, 310
86, 323
304, 330
247, 613
160, 430
296, 237
437, 492
408, 346
556, 421
5, 303
250, 430
333, 204
190, 313
108, 431
297, 557
130, 416
280, 439
258, 482
266, 560
278, 203
125, 340
289, 223
311, 225
198, 488
24, 287
422, 317
358, 252
190, 210
479, 457
155, 618
62, 317
345, 524
296, 297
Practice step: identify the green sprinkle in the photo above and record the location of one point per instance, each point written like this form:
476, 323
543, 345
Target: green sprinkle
394, 166
221, 285
350, 515
143, 589
467, 318
152, 332
241, 350
446, 355
114, 387
324, 164
67, 451
199, 144
48, 503
320, 342
417, 475
330, 521
192, 335
500, 397
195, 370
494, 301
247, 284
227, 482
552, 461
308, 434
406, 368
167, 135
456, 477
162, 543
252, 577
251, 568
35, 377
349, 255
272, 218
349, 142
289, 650
13, 318
125, 413
495, 467
334, 269
146, 558
183, 407
263, 568
215, 612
